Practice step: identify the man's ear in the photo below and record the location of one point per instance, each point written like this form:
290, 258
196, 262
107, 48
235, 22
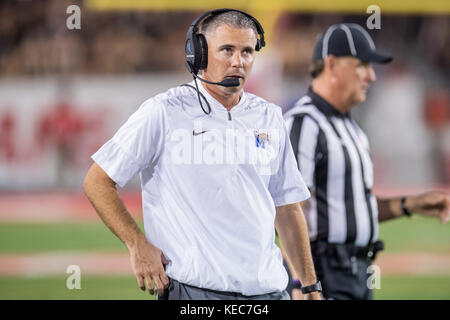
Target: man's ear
330, 67
330, 62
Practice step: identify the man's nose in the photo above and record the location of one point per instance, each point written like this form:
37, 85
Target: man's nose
371, 74
237, 60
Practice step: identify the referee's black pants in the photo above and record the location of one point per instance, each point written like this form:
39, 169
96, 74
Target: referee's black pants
342, 270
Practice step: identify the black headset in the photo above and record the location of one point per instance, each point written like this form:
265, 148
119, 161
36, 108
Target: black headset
196, 49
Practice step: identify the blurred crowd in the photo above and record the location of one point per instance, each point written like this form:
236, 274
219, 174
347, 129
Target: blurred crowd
412, 99
36, 41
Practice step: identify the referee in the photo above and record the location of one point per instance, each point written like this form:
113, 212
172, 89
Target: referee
333, 156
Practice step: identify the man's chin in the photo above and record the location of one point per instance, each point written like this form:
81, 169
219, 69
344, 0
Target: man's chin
362, 97
231, 90
357, 99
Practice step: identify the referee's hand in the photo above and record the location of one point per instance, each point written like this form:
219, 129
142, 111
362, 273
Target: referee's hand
147, 263
431, 204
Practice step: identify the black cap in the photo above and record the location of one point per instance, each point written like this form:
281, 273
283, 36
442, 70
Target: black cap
348, 39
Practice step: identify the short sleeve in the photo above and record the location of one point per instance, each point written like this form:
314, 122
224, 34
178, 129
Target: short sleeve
287, 185
136, 145
303, 136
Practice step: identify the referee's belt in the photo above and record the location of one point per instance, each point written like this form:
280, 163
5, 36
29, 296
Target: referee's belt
370, 251
331, 249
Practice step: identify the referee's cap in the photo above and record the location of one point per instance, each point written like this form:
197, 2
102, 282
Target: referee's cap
348, 39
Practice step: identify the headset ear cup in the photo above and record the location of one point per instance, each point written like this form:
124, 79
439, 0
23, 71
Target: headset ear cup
190, 57
189, 50
203, 50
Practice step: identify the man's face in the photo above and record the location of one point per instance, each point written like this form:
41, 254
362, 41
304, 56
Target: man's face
353, 78
231, 53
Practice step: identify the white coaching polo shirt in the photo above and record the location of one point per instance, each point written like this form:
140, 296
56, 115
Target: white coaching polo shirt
210, 185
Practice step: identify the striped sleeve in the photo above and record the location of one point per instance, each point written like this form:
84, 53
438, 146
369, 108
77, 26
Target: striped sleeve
286, 185
303, 133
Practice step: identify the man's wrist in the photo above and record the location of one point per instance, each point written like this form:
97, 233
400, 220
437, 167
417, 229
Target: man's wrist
404, 207
135, 240
317, 287
296, 284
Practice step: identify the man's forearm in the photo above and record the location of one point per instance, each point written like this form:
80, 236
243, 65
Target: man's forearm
430, 204
102, 193
293, 232
389, 208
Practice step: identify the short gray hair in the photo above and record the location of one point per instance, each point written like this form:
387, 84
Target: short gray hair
316, 68
232, 18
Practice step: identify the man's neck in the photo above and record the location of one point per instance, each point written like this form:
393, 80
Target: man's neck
227, 100
330, 94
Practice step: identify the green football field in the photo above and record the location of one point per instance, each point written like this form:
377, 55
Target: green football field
124, 287
404, 235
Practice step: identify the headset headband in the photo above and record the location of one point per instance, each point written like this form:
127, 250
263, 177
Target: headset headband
258, 26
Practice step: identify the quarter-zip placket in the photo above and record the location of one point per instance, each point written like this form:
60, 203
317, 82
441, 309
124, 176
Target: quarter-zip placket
230, 126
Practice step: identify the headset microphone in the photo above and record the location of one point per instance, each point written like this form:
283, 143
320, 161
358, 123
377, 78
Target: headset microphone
230, 82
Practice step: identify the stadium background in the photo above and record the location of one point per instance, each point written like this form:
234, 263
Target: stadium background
64, 92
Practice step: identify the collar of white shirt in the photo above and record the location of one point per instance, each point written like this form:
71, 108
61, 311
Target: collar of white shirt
216, 105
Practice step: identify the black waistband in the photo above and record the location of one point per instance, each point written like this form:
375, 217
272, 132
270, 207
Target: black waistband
319, 248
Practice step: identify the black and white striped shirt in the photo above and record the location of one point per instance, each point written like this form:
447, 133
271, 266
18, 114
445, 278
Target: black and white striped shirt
333, 156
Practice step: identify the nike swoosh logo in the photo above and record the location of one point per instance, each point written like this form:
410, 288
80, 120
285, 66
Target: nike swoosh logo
198, 133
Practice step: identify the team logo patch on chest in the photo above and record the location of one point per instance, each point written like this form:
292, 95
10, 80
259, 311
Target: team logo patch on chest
262, 139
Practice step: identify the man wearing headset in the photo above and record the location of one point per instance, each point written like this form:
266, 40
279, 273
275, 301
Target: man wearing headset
217, 173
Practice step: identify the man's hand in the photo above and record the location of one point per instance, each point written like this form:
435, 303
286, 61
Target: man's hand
313, 296
431, 204
147, 263
298, 295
